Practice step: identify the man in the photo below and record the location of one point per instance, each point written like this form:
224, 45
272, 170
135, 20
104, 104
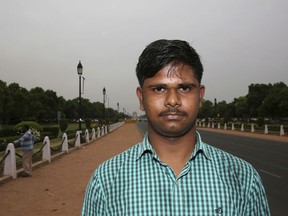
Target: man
173, 172
26, 143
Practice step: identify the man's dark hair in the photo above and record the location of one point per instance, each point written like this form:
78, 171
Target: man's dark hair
162, 52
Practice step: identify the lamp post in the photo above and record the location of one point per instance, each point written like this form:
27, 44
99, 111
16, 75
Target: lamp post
118, 111
104, 97
79, 71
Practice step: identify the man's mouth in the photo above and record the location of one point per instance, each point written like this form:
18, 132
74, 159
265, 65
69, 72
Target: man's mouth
172, 113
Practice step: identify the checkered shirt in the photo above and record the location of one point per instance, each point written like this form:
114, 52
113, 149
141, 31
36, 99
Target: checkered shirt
137, 183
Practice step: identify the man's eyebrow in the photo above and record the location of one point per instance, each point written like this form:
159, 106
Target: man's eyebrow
157, 85
187, 85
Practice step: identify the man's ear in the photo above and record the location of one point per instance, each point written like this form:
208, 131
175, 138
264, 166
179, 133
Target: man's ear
140, 97
202, 93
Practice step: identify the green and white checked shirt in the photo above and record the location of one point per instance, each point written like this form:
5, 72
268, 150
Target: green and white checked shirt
212, 182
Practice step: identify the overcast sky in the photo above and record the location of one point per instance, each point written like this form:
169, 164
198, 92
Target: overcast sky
240, 42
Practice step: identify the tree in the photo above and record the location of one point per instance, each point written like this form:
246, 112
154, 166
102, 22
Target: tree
274, 104
206, 110
255, 97
241, 107
19, 104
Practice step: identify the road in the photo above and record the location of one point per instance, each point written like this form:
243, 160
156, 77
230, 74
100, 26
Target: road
269, 157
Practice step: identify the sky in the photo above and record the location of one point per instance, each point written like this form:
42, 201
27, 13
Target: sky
41, 42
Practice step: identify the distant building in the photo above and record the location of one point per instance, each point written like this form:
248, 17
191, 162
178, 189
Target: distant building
134, 115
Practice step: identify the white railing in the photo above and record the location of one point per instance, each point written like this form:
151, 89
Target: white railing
242, 129
10, 155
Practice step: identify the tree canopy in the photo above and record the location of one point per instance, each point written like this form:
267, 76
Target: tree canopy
18, 104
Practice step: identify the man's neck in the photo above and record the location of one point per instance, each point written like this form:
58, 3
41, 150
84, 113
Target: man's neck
174, 151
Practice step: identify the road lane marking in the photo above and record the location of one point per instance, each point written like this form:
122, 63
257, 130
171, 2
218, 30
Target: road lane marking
269, 173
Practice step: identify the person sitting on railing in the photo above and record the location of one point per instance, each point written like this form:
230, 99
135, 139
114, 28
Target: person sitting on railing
26, 142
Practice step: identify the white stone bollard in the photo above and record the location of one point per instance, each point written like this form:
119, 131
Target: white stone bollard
209, 125
46, 154
233, 128
10, 162
98, 132
252, 128
242, 127
87, 136
212, 124
93, 134
218, 125
65, 147
266, 129
78, 139
225, 126
282, 130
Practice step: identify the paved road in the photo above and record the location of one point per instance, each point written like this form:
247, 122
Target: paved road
268, 156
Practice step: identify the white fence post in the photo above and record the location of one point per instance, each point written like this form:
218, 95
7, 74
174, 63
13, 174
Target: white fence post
218, 125
87, 136
242, 127
266, 129
233, 128
282, 130
103, 130
10, 162
252, 128
46, 154
98, 132
93, 134
225, 126
78, 139
65, 147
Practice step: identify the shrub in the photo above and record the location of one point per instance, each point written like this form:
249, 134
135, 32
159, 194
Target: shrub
31, 124
88, 123
63, 123
50, 131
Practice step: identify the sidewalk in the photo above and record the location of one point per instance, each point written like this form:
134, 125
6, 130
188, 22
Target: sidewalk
58, 188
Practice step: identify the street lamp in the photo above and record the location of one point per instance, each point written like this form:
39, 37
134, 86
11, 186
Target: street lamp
104, 93
79, 71
118, 110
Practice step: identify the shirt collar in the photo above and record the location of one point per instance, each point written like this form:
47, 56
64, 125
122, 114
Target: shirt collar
146, 147
200, 147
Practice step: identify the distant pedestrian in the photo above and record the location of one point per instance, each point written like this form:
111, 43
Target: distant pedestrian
26, 142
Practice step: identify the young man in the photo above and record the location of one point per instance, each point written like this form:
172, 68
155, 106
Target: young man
172, 172
26, 143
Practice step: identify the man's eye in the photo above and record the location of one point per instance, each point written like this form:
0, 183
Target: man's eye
185, 88
159, 89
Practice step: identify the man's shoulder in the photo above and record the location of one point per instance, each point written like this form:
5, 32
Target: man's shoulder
229, 163
115, 163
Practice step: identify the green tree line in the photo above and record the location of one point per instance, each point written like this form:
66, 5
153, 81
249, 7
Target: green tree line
18, 104
263, 101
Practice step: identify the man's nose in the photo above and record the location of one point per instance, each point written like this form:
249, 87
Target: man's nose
172, 98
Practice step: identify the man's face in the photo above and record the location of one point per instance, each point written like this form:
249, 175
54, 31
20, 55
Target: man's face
171, 100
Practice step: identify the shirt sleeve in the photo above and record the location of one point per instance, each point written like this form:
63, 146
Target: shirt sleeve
94, 199
23, 138
257, 200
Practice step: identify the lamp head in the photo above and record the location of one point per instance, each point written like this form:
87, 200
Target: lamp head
79, 68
